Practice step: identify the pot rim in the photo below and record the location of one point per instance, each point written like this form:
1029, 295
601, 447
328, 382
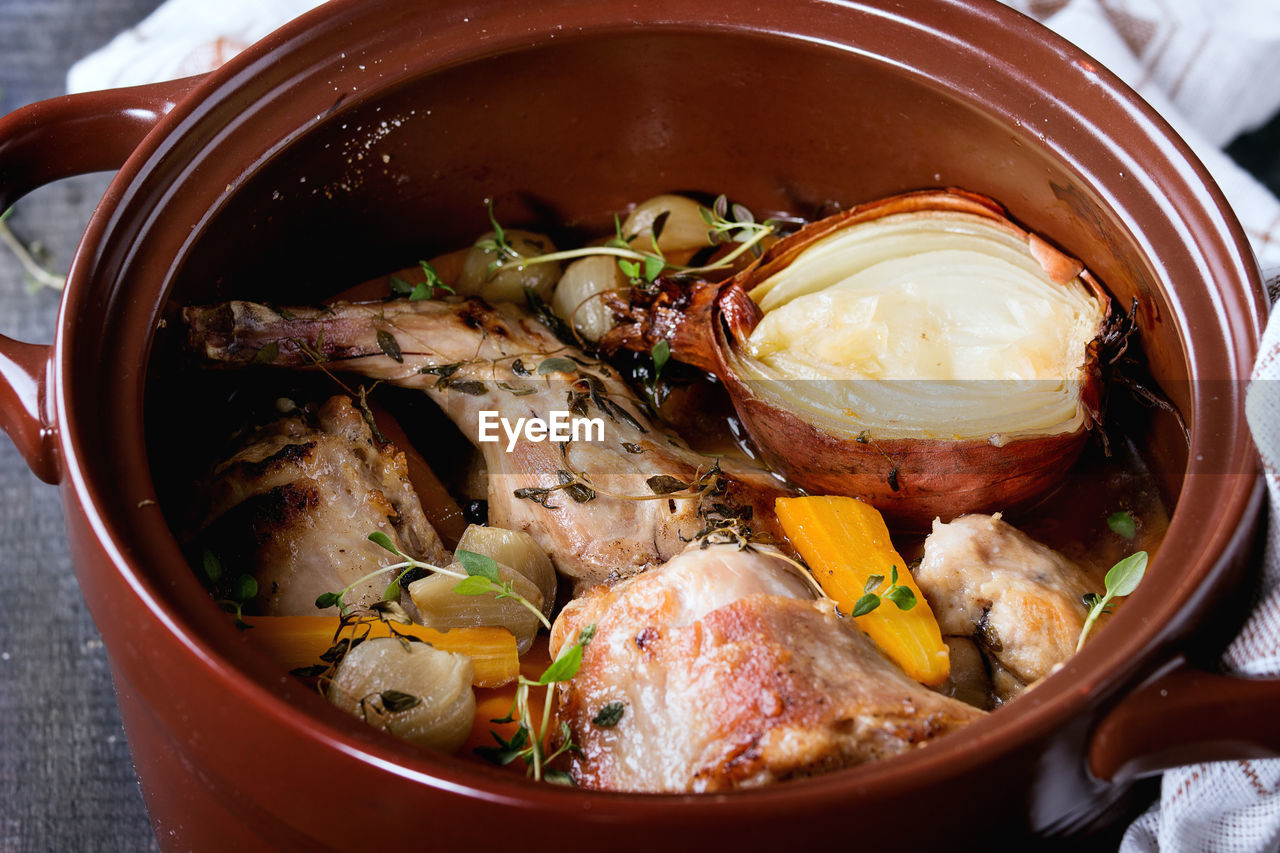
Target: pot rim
1099, 671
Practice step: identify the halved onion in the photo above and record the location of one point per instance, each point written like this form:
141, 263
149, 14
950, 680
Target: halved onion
922, 352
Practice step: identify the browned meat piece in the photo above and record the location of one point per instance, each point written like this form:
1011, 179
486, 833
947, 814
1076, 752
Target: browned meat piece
731, 675
1021, 601
295, 505
470, 357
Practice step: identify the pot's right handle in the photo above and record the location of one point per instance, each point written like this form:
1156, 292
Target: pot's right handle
41, 143
1187, 716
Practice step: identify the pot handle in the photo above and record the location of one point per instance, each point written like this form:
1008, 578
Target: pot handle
41, 143
1187, 716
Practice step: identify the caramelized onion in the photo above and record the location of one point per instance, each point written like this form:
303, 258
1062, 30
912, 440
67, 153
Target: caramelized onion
921, 352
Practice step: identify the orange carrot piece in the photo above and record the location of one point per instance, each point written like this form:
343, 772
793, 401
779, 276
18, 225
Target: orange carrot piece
298, 641
845, 542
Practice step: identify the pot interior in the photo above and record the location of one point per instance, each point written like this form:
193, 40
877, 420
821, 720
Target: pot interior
294, 180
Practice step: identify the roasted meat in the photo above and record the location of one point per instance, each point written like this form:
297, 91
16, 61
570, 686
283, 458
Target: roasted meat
730, 674
1020, 601
601, 508
295, 504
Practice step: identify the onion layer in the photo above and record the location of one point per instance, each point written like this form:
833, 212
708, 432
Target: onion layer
922, 352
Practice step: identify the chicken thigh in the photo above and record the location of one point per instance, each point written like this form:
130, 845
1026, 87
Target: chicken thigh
295, 505
731, 674
605, 509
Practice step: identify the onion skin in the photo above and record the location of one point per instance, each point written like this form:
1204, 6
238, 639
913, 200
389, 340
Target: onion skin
911, 481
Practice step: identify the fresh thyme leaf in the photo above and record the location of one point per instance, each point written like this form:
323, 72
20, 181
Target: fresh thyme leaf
865, 605
268, 354
392, 592
478, 565
506, 751
558, 777
609, 715
246, 587
328, 599
873, 583
433, 279
556, 365
653, 267
421, 292
631, 269
212, 565
661, 353
893, 575
377, 537
396, 701
399, 286
1121, 580
565, 667
390, 346
1122, 523
473, 585
1124, 576
517, 390
902, 596
665, 484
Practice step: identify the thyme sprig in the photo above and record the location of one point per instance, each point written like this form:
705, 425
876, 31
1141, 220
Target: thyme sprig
726, 224
425, 289
480, 577
527, 743
35, 272
238, 591
1121, 580
579, 486
900, 595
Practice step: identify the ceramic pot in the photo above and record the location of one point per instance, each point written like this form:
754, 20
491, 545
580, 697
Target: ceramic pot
366, 134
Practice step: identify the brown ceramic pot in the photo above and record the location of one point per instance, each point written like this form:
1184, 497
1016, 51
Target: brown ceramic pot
367, 132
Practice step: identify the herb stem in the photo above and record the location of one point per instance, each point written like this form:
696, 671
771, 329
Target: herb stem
30, 265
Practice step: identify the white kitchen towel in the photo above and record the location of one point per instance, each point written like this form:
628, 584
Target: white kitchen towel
1211, 68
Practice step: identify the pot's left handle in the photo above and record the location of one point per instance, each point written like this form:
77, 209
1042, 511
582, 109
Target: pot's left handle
41, 143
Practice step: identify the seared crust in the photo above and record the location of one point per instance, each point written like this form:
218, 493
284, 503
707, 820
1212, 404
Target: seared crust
765, 688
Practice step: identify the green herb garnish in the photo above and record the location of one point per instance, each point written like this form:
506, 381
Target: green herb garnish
527, 742
900, 595
481, 578
609, 715
1123, 524
1121, 580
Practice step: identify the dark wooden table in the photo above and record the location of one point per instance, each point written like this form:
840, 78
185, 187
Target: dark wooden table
66, 779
